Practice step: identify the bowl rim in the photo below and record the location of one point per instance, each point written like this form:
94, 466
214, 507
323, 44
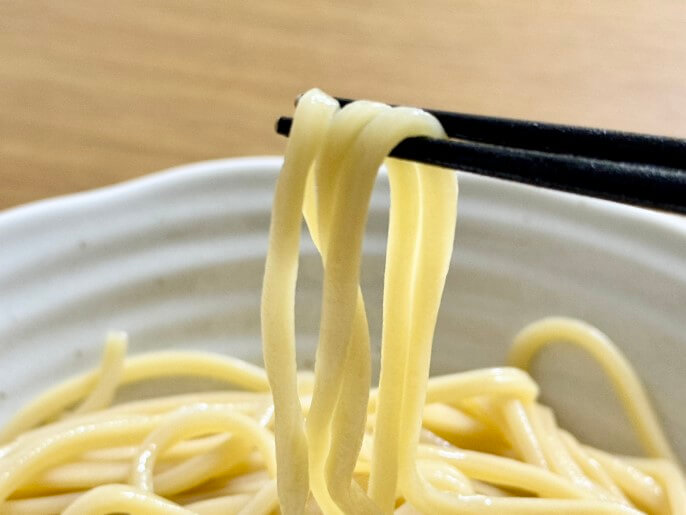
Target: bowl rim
196, 171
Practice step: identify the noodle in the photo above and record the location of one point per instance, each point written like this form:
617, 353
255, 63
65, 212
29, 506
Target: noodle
475, 442
104, 390
629, 388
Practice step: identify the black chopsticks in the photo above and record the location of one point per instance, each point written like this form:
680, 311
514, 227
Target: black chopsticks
637, 169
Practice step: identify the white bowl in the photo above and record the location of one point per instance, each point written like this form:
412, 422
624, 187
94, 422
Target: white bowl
176, 259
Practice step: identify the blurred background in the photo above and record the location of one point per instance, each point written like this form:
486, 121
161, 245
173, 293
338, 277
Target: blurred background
93, 92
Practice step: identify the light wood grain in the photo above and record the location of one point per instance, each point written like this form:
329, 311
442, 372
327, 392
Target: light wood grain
93, 92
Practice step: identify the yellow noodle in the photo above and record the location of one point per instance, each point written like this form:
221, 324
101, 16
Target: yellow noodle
245, 402
348, 420
40, 505
265, 501
123, 498
110, 371
506, 472
76, 476
195, 421
483, 488
399, 274
625, 381
248, 483
591, 466
461, 429
181, 451
438, 201
670, 477
61, 446
642, 489
523, 434
139, 368
225, 505
198, 469
444, 476
559, 458
278, 296
341, 280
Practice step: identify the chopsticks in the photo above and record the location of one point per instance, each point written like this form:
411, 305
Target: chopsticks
636, 169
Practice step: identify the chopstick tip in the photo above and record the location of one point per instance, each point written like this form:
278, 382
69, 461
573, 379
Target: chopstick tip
283, 125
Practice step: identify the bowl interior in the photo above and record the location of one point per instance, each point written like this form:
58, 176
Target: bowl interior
176, 259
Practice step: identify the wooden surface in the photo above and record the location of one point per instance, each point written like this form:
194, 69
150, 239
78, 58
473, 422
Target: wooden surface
93, 92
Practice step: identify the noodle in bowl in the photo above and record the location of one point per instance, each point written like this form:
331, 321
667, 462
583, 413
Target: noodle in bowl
189, 276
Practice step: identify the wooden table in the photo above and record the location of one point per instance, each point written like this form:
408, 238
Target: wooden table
93, 92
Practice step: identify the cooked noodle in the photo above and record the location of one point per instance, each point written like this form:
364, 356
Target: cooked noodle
287, 441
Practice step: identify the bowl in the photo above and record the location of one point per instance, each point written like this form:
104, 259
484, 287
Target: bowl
176, 259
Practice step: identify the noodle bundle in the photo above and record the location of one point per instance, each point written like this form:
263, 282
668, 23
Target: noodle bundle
279, 440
